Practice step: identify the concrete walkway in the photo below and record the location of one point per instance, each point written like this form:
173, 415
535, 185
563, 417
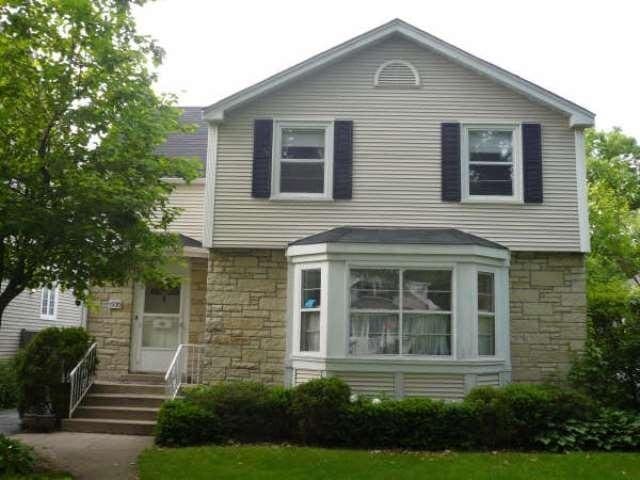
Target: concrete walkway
9, 422
93, 456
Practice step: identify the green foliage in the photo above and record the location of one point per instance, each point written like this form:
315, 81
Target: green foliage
181, 423
318, 408
15, 457
8, 384
515, 415
609, 430
609, 368
614, 198
248, 411
81, 197
45, 363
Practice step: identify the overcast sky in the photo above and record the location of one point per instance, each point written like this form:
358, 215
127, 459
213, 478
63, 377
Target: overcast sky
586, 51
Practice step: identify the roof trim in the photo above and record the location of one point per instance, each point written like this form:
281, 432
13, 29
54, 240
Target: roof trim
578, 116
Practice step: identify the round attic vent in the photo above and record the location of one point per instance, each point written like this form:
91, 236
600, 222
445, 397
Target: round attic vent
397, 74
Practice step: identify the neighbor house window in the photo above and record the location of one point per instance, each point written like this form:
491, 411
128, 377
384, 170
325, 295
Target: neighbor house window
303, 160
311, 300
491, 163
394, 311
49, 303
486, 314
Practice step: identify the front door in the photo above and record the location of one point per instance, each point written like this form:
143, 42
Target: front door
159, 325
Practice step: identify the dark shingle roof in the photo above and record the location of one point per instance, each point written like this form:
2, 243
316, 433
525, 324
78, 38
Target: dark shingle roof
189, 242
188, 144
397, 235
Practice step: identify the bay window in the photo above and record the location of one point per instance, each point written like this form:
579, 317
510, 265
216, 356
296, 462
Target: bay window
311, 298
396, 311
486, 314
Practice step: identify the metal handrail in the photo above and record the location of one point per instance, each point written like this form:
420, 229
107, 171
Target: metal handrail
82, 377
184, 369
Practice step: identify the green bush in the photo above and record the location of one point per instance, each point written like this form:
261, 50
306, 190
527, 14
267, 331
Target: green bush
44, 365
15, 457
318, 409
609, 369
8, 384
181, 423
609, 430
515, 415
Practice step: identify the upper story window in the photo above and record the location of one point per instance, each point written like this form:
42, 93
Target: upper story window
491, 163
49, 303
303, 160
396, 311
311, 298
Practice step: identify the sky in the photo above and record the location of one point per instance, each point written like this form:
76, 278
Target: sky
586, 51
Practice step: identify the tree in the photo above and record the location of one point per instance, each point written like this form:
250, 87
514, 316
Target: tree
614, 200
82, 201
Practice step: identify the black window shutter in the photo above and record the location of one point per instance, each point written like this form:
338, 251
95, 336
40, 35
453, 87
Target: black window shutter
262, 148
342, 159
450, 151
532, 162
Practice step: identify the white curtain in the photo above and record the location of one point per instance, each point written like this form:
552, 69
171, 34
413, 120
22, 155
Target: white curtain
426, 334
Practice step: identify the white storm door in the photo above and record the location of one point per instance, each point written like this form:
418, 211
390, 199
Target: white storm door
160, 325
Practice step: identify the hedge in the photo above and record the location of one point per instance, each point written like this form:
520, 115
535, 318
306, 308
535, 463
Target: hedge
8, 384
323, 412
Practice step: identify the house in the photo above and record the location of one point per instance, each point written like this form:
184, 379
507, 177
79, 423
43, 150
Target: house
34, 310
394, 211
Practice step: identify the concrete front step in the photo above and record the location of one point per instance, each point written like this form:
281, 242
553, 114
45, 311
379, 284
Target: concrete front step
128, 388
117, 427
116, 413
150, 378
123, 400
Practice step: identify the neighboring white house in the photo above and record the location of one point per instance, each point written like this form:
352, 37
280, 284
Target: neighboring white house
34, 310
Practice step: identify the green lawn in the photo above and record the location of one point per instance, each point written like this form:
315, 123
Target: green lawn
291, 463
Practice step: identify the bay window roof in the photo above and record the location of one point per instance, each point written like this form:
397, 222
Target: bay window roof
398, 236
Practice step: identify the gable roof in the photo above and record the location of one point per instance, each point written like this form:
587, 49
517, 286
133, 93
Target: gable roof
578, 116
188, 144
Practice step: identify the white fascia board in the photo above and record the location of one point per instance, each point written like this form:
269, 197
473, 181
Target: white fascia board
578, 116
210, 185
316, 250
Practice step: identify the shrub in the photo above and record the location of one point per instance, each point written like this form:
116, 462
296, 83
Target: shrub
15, 457
412, 423
45, 363
181, 423
515, 415
609, 430
8, 384
319, 409
248, 411
609, 369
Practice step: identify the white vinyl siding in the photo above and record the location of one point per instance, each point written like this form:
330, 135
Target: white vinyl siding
24, 312
190, 198
396, 160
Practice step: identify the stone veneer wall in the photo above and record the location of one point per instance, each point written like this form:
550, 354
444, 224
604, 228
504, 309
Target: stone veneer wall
246, 304
112, 328
548, 314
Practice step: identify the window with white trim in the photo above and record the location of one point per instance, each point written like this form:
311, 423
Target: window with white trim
303, 160
49, 303
491, 159
397, 311
486, 314
310, 303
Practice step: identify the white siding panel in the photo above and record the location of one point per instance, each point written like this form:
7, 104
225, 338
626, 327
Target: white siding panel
396, 175
488, 380
369, 383
190, 198
441, 387
24, 312
303, 375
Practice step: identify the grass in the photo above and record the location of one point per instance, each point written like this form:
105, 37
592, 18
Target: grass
292, 463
